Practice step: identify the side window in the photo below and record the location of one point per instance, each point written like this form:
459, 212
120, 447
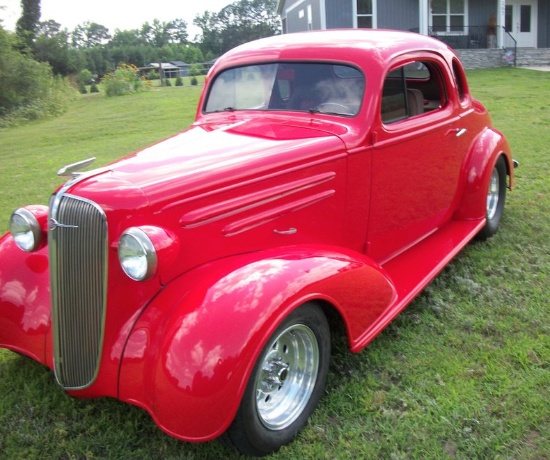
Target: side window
412, 90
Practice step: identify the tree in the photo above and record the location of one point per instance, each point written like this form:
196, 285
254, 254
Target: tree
90, 34
237, 23
29, 90
52, 46
159, 34
27, 24
178, 31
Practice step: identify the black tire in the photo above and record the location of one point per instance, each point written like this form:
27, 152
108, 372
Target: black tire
281, 395
496, 196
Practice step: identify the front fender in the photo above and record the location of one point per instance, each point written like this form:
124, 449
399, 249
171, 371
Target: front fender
487, 148
189, 356
25, 301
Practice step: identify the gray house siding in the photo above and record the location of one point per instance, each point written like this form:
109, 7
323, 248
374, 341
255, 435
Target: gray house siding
405, 15
339, 14
398, 14
297, 18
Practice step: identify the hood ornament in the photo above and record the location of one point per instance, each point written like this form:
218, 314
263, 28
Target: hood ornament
72, 169
55, 224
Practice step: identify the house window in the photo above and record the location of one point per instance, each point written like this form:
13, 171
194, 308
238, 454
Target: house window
365, 14
449, 16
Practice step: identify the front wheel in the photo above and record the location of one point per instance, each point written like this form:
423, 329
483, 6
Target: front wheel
285, 385
496, 196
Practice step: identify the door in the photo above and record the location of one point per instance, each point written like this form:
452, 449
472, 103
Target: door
521, 21
416, 161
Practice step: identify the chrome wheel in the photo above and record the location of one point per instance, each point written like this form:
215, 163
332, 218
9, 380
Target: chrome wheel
494, 201
287, 377
285, 385
493, 195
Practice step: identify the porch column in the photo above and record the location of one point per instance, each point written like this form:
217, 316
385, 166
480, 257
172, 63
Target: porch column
424, 11
501, 20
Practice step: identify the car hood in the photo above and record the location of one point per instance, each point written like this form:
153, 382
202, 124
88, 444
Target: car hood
209, 156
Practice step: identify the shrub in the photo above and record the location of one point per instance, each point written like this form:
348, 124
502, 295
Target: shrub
153, 75
167, 82
124, 80
28, 89
194, 81
85, 77
56, 95
179, 81
94, 88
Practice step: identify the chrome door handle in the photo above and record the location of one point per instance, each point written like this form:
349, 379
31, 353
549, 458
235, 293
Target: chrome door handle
460, 132
290, 231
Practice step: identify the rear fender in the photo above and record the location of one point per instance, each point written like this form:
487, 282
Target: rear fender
189, 356
487, 148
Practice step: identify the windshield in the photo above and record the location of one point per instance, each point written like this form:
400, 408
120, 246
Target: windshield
309, 87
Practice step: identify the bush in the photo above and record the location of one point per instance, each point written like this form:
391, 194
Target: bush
153, 75
94, 88
167, 82
29, 91
124, 80
84, 78
54, 101
179, 81
194, 81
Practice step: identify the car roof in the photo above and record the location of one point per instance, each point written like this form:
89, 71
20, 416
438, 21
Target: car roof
345, 45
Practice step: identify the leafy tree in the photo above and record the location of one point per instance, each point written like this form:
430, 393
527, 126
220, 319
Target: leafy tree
126, 38
178, 31
90, 34
159, 34
27, 24
237, 23
29, 90
52, 46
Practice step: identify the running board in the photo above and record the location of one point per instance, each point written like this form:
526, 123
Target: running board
411, 271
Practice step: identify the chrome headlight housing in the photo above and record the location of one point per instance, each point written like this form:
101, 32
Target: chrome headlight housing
137, 254
25, 230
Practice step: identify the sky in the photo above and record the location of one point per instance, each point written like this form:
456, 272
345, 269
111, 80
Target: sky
113, 14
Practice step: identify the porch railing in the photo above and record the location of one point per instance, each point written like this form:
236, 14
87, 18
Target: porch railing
474, 37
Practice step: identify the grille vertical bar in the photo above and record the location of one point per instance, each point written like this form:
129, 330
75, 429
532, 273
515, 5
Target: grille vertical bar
78, 258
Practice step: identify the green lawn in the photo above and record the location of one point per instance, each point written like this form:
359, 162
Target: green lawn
463, 373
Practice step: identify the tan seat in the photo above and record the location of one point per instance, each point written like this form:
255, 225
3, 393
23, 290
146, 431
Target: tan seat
415, 101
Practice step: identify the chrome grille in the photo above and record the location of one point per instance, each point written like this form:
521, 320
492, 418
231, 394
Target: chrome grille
78, 266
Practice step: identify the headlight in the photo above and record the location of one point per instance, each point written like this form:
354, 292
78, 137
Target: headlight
137, 254
25, 230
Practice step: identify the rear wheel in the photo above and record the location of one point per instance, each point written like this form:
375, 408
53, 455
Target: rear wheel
285, 385
496, 196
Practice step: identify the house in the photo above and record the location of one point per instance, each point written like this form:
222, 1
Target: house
477, 29
172, 69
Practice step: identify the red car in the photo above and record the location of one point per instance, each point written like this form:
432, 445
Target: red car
329, 176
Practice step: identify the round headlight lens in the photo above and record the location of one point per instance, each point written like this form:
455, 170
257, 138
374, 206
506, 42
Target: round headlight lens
137, 254
25, 230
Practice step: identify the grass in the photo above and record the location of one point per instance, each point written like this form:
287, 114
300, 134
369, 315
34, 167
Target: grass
462, 373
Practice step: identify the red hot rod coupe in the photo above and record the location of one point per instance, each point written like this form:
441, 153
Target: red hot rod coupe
327, 179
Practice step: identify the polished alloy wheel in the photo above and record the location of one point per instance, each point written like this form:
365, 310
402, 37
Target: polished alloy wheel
493, 195
287, 377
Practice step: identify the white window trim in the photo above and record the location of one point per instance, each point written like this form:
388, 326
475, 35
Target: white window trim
374, 14
448, 14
